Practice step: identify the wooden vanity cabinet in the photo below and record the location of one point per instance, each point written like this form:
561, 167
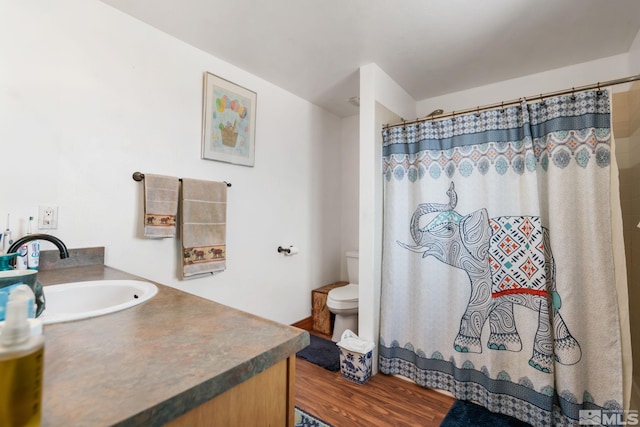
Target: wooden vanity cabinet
266, 399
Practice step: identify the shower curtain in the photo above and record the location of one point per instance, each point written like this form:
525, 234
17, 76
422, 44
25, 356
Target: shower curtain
498, 279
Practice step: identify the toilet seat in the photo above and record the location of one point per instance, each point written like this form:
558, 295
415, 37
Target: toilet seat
344, 297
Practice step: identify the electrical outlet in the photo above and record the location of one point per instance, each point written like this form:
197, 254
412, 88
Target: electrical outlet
47, 217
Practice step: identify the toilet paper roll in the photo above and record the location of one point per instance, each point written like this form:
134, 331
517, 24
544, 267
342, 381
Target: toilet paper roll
292, 251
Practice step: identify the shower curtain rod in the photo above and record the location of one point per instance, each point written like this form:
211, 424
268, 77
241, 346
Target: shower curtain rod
598, 86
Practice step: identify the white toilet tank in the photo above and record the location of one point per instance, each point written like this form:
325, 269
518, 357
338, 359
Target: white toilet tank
352, 266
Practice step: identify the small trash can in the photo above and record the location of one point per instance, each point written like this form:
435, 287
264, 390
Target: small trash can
355, 357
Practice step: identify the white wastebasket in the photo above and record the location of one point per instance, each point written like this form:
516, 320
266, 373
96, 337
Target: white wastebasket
355, 357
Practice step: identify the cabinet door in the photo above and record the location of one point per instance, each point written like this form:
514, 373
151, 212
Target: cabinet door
266, 399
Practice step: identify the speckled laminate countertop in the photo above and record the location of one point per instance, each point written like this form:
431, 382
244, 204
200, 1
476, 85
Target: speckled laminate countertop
151, 363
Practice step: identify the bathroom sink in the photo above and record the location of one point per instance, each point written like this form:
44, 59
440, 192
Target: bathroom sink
81, 300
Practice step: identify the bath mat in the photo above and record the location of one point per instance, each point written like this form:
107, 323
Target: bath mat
468, 414
305, 419
321, 352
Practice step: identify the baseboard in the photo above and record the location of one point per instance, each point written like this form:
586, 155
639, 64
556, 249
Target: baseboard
306, 324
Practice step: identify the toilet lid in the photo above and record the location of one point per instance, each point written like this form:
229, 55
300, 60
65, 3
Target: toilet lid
344, 293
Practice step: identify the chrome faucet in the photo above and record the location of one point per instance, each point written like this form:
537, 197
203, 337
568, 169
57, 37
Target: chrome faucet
30, 237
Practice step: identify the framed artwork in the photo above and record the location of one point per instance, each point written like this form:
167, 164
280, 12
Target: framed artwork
228, 122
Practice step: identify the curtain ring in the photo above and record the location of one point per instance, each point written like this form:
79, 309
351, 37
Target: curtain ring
599, 92
573, 93
453, 116
542, 101
478, 111
502, 107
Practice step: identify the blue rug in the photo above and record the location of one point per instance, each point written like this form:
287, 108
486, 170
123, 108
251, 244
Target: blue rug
321, 352
468, 414
305, 419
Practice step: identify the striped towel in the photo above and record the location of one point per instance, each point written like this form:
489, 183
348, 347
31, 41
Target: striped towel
204, 217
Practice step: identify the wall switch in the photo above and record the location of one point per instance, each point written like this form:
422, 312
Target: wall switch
47, 217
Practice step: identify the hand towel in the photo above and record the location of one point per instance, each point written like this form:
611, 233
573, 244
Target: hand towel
203, 225
160, 205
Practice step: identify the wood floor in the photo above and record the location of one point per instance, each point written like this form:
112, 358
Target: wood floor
384, 400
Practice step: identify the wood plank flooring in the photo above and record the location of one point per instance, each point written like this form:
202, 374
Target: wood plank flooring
384, 400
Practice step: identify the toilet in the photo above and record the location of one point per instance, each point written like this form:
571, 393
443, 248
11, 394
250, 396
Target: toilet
343, 301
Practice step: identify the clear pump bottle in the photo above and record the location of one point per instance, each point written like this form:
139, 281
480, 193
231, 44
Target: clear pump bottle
21, 363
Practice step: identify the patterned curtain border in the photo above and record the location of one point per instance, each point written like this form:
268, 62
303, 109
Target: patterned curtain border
498, 395
501, 125
517, 138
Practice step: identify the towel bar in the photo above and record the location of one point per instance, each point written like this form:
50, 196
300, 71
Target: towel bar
139, 176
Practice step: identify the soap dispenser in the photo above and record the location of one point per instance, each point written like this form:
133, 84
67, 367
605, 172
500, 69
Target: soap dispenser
21, 363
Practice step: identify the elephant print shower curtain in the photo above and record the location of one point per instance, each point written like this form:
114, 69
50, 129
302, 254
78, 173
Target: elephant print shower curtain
498, 279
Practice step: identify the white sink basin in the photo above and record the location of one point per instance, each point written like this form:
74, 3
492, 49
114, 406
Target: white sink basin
81, 300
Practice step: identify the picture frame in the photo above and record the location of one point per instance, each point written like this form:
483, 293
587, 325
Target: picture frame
228, 122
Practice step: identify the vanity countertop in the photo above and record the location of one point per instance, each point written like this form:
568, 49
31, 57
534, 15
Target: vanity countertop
151, 363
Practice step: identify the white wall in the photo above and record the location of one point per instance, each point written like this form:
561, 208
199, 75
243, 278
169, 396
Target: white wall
600, 70
634, 56
349, 188
89, 95
377, 90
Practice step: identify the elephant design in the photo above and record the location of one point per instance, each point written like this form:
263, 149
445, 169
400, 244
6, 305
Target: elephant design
508, 261
198, 254
152, 219
216, 253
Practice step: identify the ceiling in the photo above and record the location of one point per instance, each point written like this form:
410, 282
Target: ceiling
314, 48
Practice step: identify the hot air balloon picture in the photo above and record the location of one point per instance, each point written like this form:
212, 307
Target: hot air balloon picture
228, 121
